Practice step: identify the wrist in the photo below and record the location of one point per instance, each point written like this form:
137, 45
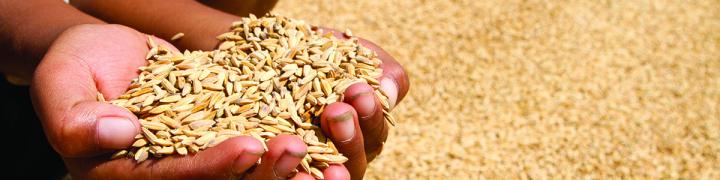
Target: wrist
199, 23
29, 29
31, 32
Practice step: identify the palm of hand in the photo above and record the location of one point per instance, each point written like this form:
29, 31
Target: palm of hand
89, 59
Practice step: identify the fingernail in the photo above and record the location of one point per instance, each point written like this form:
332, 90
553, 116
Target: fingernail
115, 132
246, 160
355, 96
287, 162
365, 105
388, 86
342, 126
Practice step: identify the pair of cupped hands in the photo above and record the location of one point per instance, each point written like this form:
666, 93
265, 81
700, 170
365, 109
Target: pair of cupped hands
89, 59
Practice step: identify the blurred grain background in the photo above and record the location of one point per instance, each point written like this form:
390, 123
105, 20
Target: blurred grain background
544, 89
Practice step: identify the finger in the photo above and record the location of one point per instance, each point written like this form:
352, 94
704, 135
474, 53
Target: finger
66, 84
339, 121
229, 159
284, 154
90, 128
394, 81
303, 176
200, 23
242, 7
337, 171
371, 118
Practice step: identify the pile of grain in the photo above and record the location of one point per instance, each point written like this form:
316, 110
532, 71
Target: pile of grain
531, 88
269, 76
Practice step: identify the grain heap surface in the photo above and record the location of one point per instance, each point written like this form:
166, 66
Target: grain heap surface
269, 76
544, 89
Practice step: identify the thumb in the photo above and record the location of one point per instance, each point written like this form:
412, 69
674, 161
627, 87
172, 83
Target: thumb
90, 128
76, 125
83, 61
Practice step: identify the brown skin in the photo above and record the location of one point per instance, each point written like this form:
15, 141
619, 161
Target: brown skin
199, 21
90, 59
242, 7
27, 35
163, 19
213, 22
87, 59
26, 32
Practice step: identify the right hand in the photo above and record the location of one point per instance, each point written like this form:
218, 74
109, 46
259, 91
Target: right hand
88, 59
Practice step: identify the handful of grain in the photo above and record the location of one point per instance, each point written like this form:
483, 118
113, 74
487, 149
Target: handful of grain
269, 76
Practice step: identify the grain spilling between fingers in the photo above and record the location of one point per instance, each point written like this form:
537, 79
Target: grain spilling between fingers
268, 76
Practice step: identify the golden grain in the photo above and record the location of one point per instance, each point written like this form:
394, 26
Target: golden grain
177, 36
262, 81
